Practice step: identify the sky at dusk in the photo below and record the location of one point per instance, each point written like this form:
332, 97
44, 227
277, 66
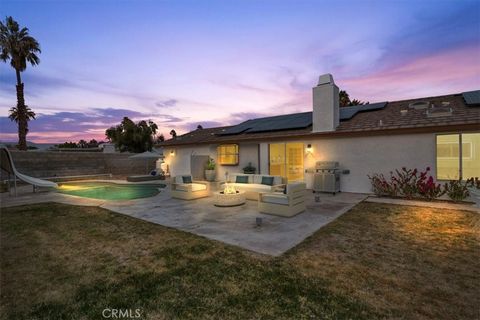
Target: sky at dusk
184, 63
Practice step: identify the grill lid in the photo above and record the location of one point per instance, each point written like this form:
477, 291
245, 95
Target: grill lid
326, 165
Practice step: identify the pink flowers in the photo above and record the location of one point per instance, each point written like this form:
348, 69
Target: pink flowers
428, 189
408, 183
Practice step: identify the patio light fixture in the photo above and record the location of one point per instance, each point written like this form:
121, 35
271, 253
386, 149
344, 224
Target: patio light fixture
309, 148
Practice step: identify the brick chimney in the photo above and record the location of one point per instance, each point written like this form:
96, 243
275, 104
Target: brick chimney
325, 105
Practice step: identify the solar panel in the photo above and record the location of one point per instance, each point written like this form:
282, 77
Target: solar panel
472, 97
294, 121
289, 121
348, 112
283, 122
373, 106
239, 128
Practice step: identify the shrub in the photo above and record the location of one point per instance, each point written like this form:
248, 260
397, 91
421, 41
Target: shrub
457, 190
382, 187
474, 183
406, 179
427, 188
408, 183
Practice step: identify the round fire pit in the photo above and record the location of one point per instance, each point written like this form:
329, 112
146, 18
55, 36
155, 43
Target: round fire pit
221, 199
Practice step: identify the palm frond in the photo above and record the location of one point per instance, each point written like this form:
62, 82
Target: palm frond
17, 45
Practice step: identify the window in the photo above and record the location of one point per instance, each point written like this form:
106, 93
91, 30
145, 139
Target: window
277, 159
227, 154
470, 155
286, 160
294, 161
458, 156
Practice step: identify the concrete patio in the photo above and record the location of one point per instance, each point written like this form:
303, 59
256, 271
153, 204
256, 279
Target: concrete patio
237, 225
234, 225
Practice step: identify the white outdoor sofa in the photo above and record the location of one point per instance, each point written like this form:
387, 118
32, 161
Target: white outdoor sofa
253, 184
182, 189
285, 204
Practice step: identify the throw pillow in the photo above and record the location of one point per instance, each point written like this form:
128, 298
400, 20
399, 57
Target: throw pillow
241, 179
187, 179
267, 181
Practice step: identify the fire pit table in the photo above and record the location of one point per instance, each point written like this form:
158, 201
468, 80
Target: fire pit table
222, 199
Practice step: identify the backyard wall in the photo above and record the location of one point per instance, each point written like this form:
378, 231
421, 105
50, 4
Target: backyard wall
361, 155
58, 164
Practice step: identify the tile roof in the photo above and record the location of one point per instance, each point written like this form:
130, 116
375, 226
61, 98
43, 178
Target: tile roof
383, 120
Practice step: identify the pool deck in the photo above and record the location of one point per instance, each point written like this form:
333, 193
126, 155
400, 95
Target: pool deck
232, 225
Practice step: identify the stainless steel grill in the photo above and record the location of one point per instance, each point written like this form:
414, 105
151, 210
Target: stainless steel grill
326, 177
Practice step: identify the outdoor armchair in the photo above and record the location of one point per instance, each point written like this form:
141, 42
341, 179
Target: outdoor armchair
286, 204
184, 187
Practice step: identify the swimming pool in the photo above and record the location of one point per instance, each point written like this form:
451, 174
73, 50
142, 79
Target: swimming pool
109, 190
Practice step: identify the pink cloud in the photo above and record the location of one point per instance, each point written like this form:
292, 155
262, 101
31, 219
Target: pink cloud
53, 137
447, 72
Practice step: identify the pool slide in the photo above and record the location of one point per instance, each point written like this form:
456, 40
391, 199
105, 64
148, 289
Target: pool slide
7, 164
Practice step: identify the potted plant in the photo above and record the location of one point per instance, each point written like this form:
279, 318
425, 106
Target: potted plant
210, 170
249, 169
474, 189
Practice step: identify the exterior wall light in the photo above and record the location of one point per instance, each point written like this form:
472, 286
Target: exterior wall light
309, 148
172, 152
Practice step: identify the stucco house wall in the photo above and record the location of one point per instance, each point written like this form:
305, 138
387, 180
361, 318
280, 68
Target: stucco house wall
361, 155
372, 154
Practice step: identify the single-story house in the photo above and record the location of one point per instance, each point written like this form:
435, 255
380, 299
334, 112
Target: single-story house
441, 132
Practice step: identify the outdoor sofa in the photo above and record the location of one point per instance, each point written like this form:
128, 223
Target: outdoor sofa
184, 187
253, 184
288, 203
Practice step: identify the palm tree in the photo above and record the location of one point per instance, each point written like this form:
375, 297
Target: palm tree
14, 116
18, 47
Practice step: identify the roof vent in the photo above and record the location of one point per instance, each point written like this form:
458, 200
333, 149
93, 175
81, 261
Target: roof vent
404, 112
443, 111
419, 105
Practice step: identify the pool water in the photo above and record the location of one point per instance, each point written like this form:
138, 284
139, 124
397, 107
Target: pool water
110, 191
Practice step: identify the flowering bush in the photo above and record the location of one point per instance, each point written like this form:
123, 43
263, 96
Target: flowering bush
457, 190
427, 188
406, 179
382, 187
408, 183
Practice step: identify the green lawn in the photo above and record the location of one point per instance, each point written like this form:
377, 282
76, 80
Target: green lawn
376, 261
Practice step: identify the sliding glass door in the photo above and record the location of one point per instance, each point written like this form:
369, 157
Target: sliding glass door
277, 159
286, 160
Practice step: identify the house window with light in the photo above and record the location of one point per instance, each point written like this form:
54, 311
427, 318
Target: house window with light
458, 156
227, 154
